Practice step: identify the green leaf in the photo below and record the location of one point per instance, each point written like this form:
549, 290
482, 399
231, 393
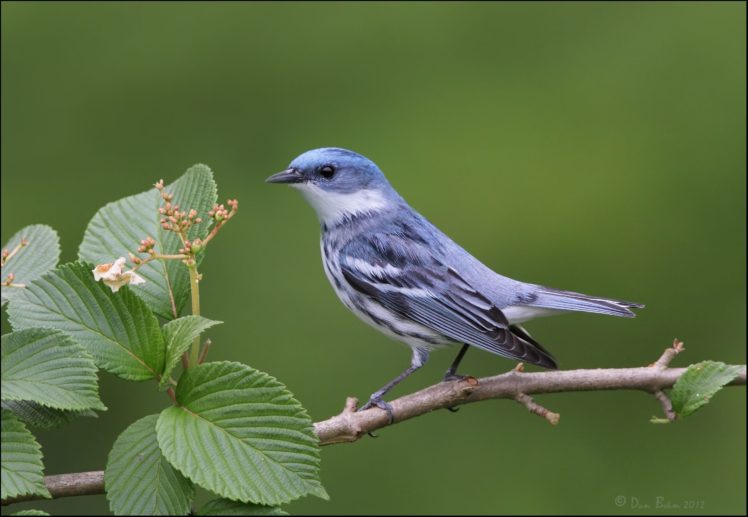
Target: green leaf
22, 468
699, 384
178, 335
42, 417
240, 433
30, 512
229, 507
117, 329
47, 367
31, 261
139, 480
118, 228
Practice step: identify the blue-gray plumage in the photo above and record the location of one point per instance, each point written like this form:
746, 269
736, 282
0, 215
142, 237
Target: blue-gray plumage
401, 274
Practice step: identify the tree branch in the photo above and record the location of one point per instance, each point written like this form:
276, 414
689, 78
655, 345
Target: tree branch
517, 385
349, 426
67, 485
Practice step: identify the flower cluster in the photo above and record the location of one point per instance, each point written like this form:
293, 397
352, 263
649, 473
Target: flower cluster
219, 212
180, 221
146, 246
220, 216
173, 219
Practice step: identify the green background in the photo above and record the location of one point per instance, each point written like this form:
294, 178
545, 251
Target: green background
598, 147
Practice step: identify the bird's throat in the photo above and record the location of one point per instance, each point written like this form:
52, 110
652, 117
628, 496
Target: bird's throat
332, 207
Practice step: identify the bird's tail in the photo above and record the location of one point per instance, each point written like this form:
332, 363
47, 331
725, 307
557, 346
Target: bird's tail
549, 298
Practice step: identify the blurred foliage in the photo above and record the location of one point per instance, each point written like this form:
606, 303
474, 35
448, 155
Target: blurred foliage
598, 147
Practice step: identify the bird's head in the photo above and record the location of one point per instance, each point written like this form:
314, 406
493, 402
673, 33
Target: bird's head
338, 183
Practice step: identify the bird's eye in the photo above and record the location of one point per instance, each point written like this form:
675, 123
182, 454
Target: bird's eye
327, 171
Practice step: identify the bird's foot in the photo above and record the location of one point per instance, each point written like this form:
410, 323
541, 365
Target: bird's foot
381, 404
452, 376
449, 377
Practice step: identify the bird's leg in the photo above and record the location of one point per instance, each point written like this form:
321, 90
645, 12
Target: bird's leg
419, 359
450, 374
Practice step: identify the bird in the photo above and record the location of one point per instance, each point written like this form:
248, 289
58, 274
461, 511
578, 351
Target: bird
399, 273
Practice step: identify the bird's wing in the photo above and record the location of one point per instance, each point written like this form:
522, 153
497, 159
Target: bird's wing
406, 277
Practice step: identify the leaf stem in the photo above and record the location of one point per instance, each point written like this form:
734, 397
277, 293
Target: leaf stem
158, 256
195, 291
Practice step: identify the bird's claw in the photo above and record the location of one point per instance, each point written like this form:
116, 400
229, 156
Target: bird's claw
381, 404
449, 377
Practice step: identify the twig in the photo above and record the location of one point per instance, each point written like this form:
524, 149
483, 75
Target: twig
663, 362
537, 409
667, 405
669, 354
350, 425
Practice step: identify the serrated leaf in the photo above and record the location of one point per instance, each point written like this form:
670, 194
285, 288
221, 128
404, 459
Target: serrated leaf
118, 228
30, 512
117, 329
31, 261
21, 458
240, 433
36, 415
178, 335
229, 507
699, 384
139, 480
47, 367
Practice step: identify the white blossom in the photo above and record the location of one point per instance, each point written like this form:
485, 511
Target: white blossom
114, 277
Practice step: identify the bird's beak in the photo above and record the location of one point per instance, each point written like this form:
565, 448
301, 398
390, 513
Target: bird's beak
287, 176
